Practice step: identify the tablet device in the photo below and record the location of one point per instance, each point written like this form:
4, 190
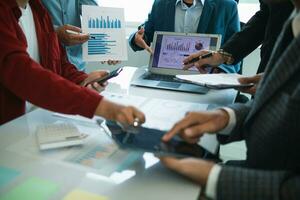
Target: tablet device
149, 140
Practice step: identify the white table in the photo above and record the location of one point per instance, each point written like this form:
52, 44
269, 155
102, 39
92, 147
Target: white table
122, 85
140, 176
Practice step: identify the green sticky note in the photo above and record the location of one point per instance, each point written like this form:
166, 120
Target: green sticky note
7, 175
82, 195
32, 189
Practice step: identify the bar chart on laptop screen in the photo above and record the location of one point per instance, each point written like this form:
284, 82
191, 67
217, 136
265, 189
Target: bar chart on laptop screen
176, 48
107, 33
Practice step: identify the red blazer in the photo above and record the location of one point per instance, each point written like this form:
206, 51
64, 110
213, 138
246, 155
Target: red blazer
52, 84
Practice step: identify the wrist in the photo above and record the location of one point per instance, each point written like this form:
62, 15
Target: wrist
206, 171
210, 191
227, 58
196, 169
107, 109
222, 118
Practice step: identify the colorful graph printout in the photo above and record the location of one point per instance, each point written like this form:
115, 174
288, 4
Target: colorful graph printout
107, 33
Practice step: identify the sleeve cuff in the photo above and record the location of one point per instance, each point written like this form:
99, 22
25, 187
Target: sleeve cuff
211, 186
231, 124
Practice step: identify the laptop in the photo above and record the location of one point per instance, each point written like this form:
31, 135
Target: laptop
169, 51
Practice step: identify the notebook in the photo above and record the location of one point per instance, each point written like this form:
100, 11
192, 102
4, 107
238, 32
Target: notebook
169, 51
214, 81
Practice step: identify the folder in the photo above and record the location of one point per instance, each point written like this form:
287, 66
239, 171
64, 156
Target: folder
214, 81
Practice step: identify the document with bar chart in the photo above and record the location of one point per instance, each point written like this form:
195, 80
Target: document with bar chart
106, 27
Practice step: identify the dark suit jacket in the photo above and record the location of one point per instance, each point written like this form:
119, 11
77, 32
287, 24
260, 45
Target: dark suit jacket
218, 17
270, 125
263, 28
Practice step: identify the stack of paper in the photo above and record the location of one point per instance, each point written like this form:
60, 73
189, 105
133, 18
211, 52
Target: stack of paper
214, 81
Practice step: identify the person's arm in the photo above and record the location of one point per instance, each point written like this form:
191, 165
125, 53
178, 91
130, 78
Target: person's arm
244, 42
69, 71
236, 183
148, 30
248, 184
232, 27
29, 81
67, 38
241, 111
195, 124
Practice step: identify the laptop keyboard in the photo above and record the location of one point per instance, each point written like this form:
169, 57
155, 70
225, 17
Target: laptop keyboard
159, 77
168, 82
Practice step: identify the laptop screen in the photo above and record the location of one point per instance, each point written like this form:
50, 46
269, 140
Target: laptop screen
171, 49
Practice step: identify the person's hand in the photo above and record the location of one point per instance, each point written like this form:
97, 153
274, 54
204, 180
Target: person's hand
195, 124
69, 39
215, 60
123, 114
252, 79
111, 62
195, 169
93, 76
139, 40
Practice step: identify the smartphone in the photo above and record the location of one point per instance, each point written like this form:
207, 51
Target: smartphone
149, 140
110, 75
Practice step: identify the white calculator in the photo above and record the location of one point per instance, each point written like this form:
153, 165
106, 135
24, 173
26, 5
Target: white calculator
58, 135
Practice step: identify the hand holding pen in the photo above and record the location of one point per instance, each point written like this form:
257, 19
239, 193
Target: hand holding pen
130, 129
71, 35
80, 34
202, 59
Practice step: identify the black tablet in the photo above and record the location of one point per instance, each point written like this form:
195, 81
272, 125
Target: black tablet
149, 140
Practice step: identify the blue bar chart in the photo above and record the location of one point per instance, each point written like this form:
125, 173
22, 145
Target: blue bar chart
104, 22
106, 27
100, 44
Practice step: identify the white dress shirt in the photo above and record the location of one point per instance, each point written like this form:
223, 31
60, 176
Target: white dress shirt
27, 24
211, 185
187, 18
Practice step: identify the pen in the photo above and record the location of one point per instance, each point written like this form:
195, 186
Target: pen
78, 33
200, 57
130, 129
136, 122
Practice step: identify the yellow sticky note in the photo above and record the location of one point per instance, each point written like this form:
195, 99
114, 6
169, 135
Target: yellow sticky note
80, 195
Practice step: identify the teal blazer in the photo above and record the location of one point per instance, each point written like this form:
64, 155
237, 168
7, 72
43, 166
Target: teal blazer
218, 17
